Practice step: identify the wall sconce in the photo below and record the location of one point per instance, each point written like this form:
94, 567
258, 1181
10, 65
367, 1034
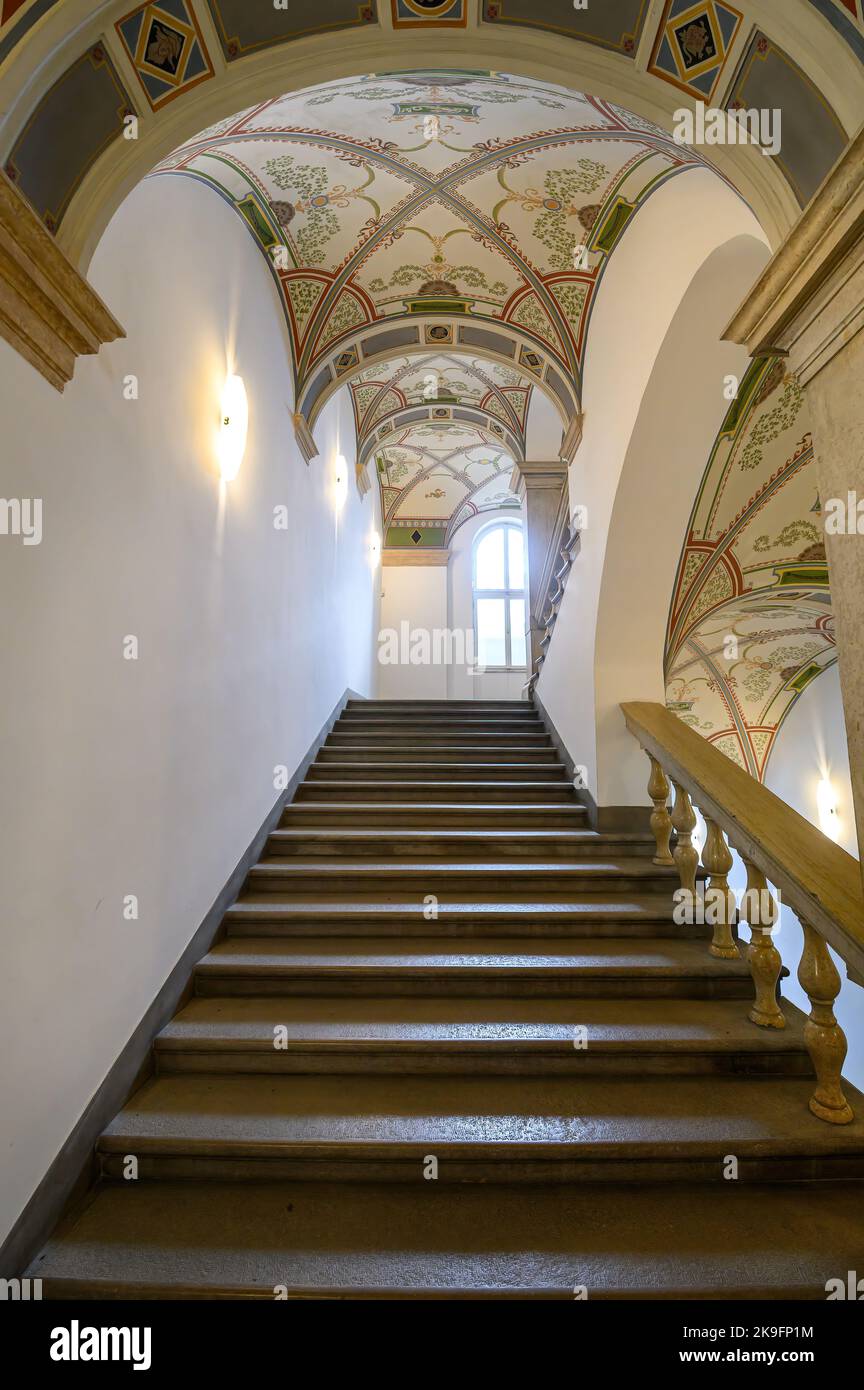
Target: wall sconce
374, 550
234, 423
340, 481
826, 803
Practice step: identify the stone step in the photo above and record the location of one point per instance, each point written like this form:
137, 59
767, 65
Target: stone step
421, 738
471, 707
363, 751
552, 1129
511, 967
525, 1037
394, 817
463, 794
591, 916
463, 843
432, 1240
410, 769
548, 879
459, 726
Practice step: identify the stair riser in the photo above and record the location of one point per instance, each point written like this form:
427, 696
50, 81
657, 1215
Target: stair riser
415, 756
481, 846
453, 730
356, 1060
343, 769
432, 818
462, 984
464, 793
558, 885
400, 928
436, 737
441, 706
486, 1167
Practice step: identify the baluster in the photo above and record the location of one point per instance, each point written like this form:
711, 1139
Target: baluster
685, 854
719, 900
825, 1039
762, 955
661, 821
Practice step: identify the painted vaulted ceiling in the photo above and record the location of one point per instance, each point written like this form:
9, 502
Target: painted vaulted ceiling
444, 432
463, 191
401, 213
750, 624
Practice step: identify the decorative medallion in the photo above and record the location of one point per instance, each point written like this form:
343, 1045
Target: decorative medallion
166, 48
692, 44
434, 14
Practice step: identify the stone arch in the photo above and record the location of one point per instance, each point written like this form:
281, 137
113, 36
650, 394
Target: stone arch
648, 429
235, 71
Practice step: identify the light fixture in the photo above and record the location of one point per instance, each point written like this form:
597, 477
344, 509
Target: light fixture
374, 549
826, 803
340, 481
234, 423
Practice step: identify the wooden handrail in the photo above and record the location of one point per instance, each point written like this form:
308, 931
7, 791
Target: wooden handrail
818, 879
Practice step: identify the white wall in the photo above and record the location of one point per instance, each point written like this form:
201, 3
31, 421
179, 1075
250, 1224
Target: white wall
811, 745
659, 259
413, 606
151, 777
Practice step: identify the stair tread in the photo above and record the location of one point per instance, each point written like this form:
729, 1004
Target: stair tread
485, 955
645, 907
639, 1024
441, 808
599, 1116
380, 832
624, 865
639, 1240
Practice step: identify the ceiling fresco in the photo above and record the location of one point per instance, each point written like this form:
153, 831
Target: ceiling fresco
462, 196
95, 71
750, 624
442, 433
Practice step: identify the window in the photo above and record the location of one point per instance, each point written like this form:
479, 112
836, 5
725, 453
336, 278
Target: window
499, 597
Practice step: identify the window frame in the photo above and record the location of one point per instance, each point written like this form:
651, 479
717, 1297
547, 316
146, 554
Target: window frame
506, 593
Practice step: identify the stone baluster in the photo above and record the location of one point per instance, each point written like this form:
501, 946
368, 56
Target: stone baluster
685, 854
825, 1039
719, 898
762, 955
661, 821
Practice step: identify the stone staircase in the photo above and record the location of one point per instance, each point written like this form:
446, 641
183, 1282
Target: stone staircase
437, 967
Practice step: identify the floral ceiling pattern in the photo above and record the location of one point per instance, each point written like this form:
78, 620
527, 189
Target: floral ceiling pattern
476, 188
409, 198
750, 624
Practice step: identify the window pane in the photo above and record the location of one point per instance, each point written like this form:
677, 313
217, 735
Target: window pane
518, 655
490, 561
516, 577
491, 650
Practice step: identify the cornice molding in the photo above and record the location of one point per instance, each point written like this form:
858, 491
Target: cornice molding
48, 311
804, 304
395, 555
530, 475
